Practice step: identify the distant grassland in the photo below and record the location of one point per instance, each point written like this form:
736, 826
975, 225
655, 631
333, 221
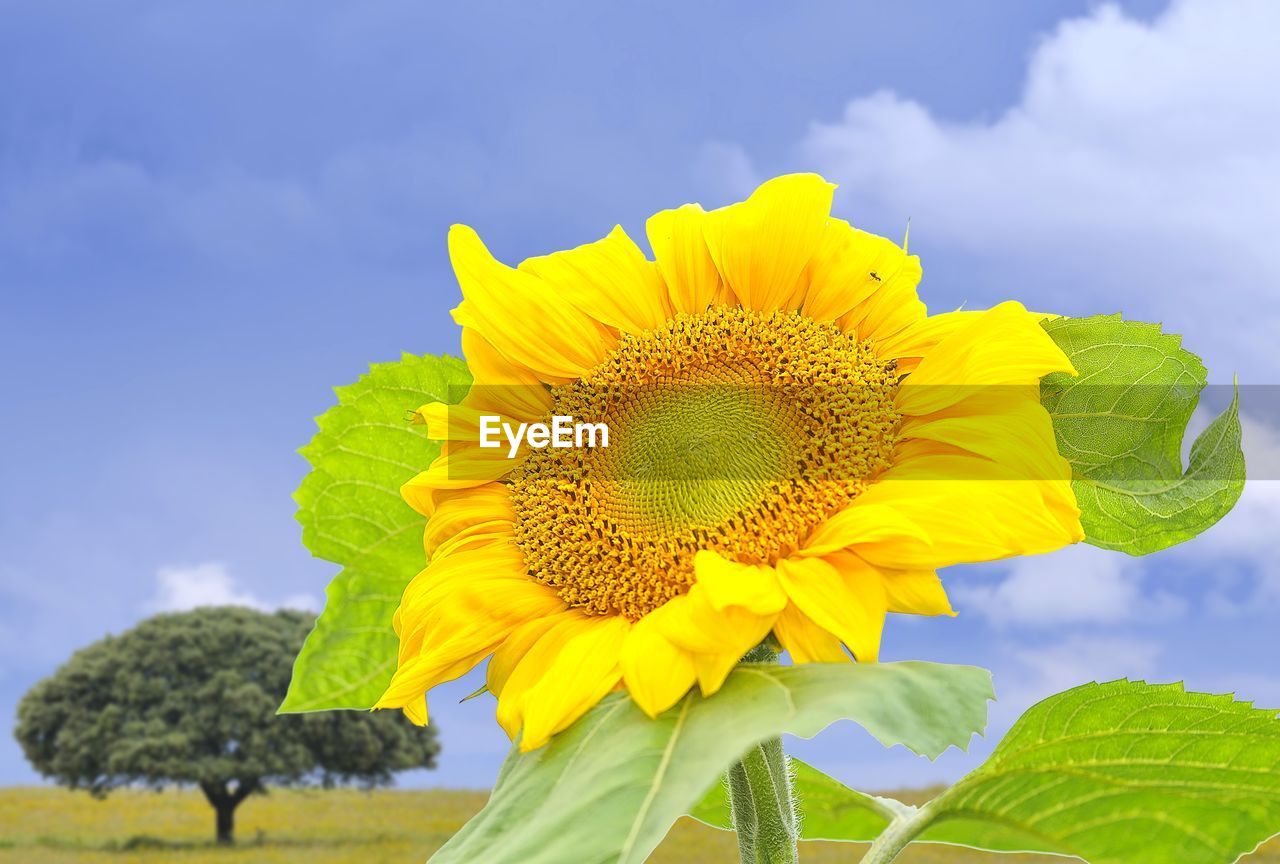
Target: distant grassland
53, 826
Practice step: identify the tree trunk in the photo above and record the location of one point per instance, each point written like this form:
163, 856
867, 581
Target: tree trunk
225, 802
226, 810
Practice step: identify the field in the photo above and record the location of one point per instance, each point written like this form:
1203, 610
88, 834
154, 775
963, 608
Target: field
53, 826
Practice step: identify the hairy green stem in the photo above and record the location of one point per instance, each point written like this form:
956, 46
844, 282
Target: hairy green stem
761, 801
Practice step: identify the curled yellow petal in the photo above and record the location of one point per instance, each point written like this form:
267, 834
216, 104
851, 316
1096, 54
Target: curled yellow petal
805, 641
572, 667
486, 505
762, 245
842, 594
609, 280
1003, 346
656, 672
515, 312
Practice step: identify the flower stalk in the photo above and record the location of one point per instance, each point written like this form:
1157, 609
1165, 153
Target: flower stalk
761, 800
905, 826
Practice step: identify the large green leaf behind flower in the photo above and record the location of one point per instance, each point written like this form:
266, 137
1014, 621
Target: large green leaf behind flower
1121, 423
609, 787
352, 514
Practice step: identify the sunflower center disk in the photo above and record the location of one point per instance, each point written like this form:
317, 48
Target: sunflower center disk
731, 430
693, 454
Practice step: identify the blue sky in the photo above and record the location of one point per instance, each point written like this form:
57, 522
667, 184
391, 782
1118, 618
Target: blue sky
211, 213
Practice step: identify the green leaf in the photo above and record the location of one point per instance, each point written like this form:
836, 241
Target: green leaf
1118, 773
609, 787
830, 809
1125, 773
352, 514
1121, 424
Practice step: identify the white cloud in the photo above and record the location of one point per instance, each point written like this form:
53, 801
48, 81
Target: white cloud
1044, 670
1242, 550
1080, 659
1140, 169
1137, 171
211, 584
1077, 585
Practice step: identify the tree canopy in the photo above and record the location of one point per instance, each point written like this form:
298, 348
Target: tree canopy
191, 698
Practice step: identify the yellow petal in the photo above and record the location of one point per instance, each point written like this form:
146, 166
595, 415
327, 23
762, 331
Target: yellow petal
842, 594
691, 623
712, 669
435, 416
1001, 347
437, 632
455, 585
971, 509
460, 629
692, 280
486, 505
498, 532
1006, 425
528, 669
1017, 432
862, 523
911, 344
850, 268
728, 583
514, 648
837, 278
915, 592
464, 422
916, 448
657, 673
610, 280
527, 322
804, 640
714, 639
416, 712
501, 385
571, 668
889, 311
444, 571
762, 245
459, 466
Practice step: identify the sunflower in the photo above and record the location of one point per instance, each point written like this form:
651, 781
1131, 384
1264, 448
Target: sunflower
797, 447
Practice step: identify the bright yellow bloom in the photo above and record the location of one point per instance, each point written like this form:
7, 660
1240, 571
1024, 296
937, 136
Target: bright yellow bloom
797, 447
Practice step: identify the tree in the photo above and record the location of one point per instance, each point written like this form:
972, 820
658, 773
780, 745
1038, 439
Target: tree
190, 698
